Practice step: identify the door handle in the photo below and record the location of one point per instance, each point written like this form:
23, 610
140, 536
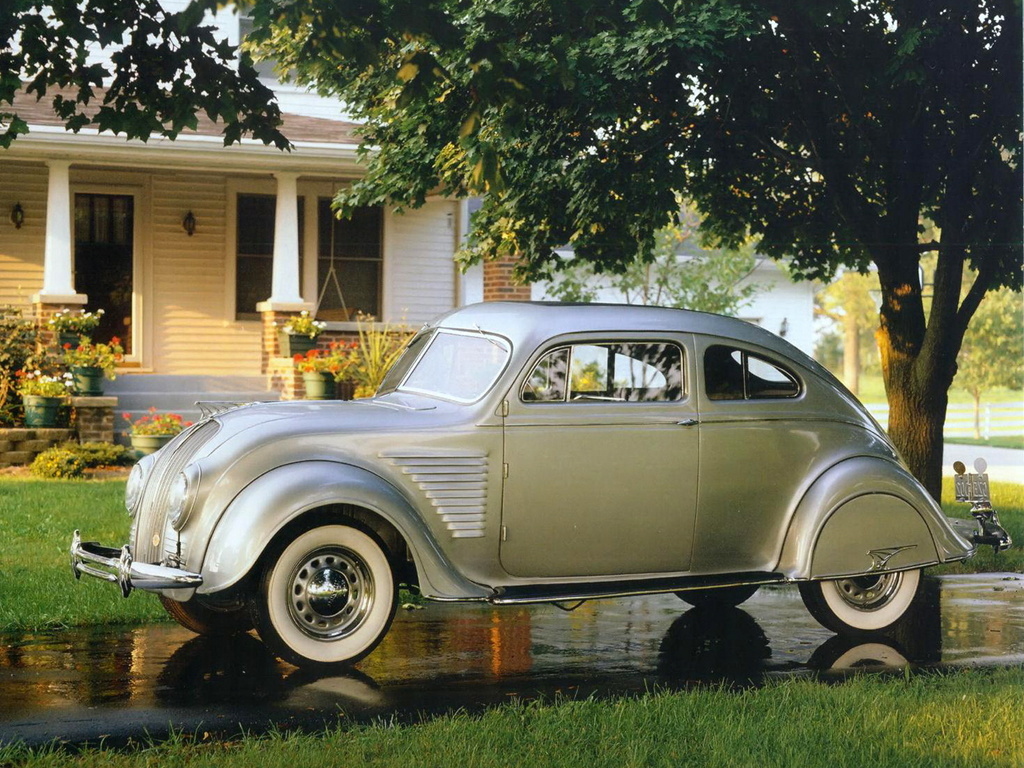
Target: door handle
688, 423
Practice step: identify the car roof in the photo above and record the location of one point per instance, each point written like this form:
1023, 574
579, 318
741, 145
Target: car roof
531, 323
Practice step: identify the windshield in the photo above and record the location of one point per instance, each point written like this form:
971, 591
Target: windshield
454, 365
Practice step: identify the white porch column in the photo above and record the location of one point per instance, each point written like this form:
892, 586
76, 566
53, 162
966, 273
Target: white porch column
58, 276
284, 290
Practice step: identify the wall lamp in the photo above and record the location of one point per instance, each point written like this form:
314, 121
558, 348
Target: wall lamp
17, 215
189, 224
784, 328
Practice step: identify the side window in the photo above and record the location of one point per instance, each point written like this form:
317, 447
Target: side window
621, 372
734, 374
547, 380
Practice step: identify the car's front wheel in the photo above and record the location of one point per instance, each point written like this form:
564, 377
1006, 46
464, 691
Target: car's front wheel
327, 597
861, 604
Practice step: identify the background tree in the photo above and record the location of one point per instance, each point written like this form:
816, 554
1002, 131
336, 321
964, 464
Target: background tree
166, 70
832, 132
848, 302
680, 273
993, 351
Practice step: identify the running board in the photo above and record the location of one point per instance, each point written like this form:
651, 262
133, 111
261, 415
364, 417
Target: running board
550, 593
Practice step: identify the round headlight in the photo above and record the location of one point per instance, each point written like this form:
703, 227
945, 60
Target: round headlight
133, 491
180, 496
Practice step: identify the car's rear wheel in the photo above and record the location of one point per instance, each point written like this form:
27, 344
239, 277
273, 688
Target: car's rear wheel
327, 597
718, 597
200, 618
861, 604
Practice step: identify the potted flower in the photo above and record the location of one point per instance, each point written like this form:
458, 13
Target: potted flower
317, 376
42, 395
90, 363
299, 334
69, 327
152, 432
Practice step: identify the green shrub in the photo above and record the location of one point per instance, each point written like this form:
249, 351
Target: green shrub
100, 454
58, 463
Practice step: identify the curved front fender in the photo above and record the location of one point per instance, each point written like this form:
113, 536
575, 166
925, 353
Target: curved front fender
273, 500
866, 514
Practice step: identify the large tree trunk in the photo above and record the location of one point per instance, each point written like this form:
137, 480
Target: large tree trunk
917, 412
919, 360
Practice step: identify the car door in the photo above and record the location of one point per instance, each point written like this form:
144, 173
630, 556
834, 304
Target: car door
601, 460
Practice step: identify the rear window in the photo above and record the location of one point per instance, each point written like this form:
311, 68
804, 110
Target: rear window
735, 374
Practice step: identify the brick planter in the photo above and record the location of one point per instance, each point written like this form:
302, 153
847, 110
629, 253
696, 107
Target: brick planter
20, 446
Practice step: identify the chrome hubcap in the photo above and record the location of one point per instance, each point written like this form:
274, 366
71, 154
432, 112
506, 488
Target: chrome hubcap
331, 594
869, 593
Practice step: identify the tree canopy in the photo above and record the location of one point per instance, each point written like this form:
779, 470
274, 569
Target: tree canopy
835, 133
166, 69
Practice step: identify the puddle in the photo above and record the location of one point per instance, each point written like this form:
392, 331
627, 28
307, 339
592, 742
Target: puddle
78, 685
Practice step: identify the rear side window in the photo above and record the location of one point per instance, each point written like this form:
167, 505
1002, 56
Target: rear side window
735, 374
620, 372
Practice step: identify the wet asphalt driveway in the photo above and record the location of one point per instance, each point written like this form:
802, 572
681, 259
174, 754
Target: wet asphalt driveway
124, 684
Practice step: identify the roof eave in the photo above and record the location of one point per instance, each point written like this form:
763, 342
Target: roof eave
187, 151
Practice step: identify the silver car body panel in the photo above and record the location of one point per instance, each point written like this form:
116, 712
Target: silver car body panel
500, 494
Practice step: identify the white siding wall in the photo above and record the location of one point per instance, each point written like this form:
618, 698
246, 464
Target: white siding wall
419, 272
21, 250
193, 328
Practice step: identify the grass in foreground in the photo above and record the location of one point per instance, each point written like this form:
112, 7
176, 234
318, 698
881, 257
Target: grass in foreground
963, 720
37, 589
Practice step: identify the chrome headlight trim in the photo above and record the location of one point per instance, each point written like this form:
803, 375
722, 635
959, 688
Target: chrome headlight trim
181, 496
133, 490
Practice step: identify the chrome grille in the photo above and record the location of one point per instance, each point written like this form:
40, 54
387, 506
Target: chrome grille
171, 460
455, 484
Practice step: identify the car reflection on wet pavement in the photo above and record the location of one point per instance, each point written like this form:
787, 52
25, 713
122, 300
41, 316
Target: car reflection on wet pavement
121, 684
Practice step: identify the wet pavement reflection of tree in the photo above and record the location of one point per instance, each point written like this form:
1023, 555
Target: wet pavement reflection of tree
123, 682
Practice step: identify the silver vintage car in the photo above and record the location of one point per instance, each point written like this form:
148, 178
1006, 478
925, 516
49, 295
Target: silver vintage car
522, 453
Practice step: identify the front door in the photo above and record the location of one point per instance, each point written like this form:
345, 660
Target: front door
601, 447
104, 262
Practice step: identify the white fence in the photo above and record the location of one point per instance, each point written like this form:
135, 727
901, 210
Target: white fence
1000, 419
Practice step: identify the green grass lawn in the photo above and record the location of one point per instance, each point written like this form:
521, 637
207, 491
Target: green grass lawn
37, 589
872, 390
996, 441
964, 720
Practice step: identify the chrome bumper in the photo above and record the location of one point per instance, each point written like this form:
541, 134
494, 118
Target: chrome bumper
117, 566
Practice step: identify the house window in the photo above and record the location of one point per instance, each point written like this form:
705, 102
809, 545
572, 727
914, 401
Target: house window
254, 260
264, 68
350, 262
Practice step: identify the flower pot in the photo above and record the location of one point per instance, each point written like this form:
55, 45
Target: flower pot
292, 345
88, 380
147, 444
319, 386
345, 390
41, 411
66, 338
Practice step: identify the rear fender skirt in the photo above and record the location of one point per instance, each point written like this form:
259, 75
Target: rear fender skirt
866, 514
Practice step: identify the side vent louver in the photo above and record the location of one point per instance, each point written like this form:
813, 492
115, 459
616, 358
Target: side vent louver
455, 483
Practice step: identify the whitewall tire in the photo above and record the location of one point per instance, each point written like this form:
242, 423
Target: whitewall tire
861, 604
327, 598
